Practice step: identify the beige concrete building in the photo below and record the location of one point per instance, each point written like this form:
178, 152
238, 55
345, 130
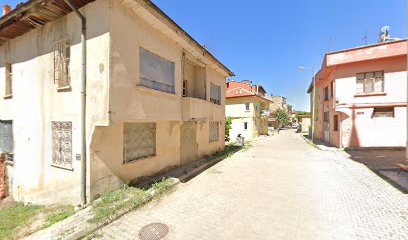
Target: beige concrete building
248, 108
277, 102
155, 98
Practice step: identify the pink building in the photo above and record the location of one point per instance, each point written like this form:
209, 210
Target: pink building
361, 96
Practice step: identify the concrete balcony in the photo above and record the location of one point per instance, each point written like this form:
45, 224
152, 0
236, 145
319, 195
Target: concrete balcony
195, 108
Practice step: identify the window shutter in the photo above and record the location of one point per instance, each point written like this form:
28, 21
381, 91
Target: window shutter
156, 72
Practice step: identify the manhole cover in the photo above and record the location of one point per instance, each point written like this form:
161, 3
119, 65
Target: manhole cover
153, 231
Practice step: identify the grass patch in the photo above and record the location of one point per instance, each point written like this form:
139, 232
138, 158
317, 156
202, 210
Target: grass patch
126, 198
20, 220
14, 217
228, 151
57, 214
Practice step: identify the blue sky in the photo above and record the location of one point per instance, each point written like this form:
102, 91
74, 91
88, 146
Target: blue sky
266, 40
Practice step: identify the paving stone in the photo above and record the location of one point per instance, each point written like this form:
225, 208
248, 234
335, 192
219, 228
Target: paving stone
281, 188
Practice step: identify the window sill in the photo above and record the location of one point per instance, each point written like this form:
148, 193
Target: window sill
8, 96
370, 94
62, 167
154, 91
64, 89
139, 159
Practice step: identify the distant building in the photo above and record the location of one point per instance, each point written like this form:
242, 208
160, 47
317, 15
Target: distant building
361, 96
277, 102
247, 106
304, 122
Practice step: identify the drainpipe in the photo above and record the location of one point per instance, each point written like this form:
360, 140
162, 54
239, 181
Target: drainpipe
83, 101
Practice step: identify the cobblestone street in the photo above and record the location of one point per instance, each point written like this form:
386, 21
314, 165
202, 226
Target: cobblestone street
281, 188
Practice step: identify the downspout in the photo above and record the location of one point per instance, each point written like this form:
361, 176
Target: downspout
83, 102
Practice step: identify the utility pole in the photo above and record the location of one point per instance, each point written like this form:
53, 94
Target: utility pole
406, 147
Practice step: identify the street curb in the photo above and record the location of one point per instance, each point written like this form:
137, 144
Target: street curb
311, 143
77, 226
205, 166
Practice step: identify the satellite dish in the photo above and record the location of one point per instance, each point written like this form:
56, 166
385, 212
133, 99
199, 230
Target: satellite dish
385, 29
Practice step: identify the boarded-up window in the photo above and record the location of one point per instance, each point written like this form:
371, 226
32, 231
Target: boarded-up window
9, 80
139, 141
383, 112
214, 131
335, 123
370, 82
215, 91
62, 54
156, 72
6, 136
62, 144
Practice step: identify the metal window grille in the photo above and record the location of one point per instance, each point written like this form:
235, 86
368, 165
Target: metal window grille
139, 141
385, 112
62, 56
214, 131
62, 144
9, 80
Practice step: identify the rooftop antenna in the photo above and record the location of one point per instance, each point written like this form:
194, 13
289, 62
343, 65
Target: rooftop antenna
365, 37
330, 42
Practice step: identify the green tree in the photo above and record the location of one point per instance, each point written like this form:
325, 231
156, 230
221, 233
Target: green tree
228, 123
301, 113
282, 117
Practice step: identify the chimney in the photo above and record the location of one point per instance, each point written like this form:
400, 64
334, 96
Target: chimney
6, 9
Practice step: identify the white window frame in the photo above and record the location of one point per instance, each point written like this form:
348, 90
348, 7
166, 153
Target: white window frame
370, 82
215, 93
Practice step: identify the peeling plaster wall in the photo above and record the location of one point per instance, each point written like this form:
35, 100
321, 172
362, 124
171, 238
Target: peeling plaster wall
130, 102
36, 102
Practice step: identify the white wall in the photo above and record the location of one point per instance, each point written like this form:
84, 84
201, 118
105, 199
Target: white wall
36, 101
